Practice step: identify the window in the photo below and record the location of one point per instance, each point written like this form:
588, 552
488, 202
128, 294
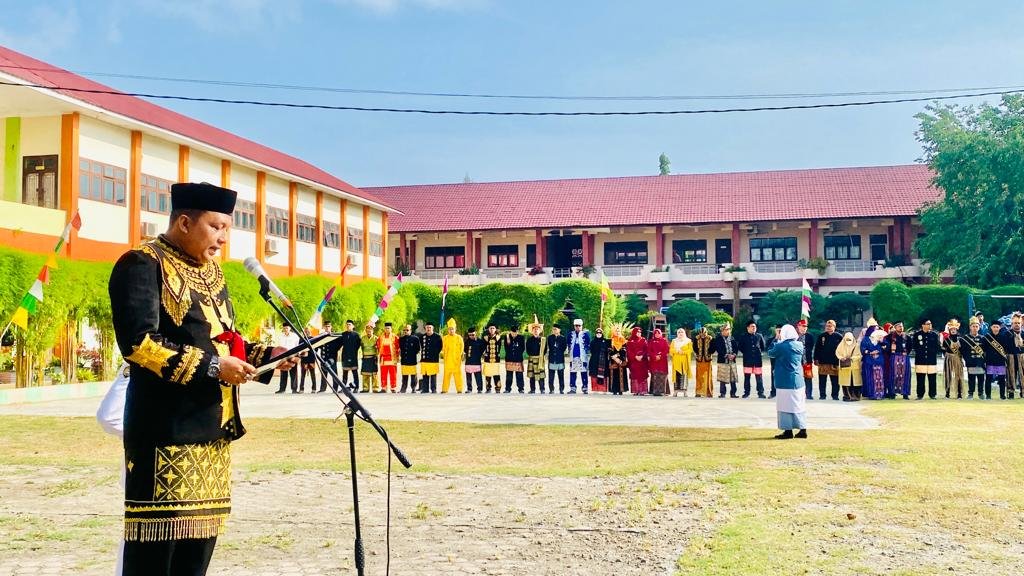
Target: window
305, 228
102, 182
332, 235
625, 253
503, 256
354, 242
39, 181
445, 257
689, 251
531, 255
245, 215
842, 247
773, 249
155, 194
277, 222
376, 244
879, 246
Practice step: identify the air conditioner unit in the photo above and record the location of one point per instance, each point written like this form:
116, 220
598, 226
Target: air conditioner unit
829, 227
149, 230
270, 247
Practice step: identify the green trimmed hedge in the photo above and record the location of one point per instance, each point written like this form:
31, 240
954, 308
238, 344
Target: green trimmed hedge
893, 301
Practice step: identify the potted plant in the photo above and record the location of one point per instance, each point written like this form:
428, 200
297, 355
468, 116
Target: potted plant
400, 267
734, 272
537, 275
469, 276
814, 266
588, 270
659, 274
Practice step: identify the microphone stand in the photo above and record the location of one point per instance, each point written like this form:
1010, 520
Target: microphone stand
353, 409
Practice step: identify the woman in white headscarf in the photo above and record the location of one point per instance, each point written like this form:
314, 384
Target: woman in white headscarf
787, 354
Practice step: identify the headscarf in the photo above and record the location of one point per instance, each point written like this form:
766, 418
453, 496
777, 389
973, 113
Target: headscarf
657, 333
877, 332
847, 347
788, 332
635, 334
683, 340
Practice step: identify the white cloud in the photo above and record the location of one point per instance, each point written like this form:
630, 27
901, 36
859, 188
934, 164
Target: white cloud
42, 32
226, 16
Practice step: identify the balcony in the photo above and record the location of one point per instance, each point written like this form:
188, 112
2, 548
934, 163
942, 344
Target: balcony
624, 272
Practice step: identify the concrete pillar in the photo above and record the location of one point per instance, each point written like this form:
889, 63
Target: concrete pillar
735, 244
659, 250
812, 239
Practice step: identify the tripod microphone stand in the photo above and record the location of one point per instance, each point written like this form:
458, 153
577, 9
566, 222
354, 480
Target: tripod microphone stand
352, 409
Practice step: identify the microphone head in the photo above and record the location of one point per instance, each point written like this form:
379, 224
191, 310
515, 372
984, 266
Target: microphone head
253, 266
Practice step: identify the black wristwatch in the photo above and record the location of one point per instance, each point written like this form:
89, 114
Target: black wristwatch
214, 370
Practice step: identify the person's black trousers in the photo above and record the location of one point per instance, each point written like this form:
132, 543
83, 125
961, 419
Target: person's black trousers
551, 381
294, 373
408, 381
311, 370
325, 377
975, 381
809, 388
823, 384
932, 386
519, 381
187, 557
479, 377
759, 379
732, 390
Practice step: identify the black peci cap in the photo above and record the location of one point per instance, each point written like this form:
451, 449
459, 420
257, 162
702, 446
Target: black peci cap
203, 196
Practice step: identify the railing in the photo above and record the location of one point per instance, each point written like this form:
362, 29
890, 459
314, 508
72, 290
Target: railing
693, 269
561, 272
618, 271
853, 265
436, 274
503, 273
774, 267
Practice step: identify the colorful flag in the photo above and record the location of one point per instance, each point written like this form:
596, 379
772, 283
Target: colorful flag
315, 321
20, 318
805, 302
386, 299
44, 275
606, 288
36, 290
29, 303
444, 298
51, 261
76, 221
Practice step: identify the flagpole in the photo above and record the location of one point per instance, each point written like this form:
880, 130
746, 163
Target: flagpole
6, 328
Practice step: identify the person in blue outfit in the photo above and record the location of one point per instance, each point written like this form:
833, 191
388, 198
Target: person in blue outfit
787, 371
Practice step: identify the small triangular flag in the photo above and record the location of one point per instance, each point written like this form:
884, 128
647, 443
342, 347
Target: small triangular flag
44, 275
51, 262
76, 222
37, 290
64, 235
20, 318
29, 303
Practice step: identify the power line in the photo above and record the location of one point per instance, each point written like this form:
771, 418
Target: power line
381, 92
513, 113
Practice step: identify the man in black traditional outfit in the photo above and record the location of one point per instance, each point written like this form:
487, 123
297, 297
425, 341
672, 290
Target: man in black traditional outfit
351, 342
175, 326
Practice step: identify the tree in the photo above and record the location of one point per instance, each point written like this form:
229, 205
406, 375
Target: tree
977, 227
687, 313
891, 302
783, 307
844, 308
664, 165
635, 305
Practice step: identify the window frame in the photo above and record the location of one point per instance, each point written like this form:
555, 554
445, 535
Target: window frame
627, 253
104, 177
835, 249
444, 257
503, 256
777, 248
278, 224
354, 239
305, 229
331, 235
680, 249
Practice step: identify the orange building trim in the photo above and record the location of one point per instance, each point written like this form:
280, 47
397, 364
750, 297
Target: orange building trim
183, 154
319, 231
261, 215
135, 190
225, 182
384, 247
293, 225
68, 178
366, 242
343, 252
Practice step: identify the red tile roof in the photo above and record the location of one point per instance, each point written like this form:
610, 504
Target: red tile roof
824, 194
40, 73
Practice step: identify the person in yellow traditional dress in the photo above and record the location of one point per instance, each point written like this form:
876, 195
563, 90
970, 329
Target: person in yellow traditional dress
681, 351
451, 351
703, 352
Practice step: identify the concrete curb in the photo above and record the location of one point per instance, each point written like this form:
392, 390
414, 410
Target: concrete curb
49, 393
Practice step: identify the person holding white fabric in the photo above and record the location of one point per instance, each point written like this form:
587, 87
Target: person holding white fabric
110, 415
787, 354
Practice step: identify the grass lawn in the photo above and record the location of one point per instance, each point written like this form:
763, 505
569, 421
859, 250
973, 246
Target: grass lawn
939, 480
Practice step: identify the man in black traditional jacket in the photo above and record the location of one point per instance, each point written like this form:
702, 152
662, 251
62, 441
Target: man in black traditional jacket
175, 326
430, 358
409, 357
351, 342
925, 345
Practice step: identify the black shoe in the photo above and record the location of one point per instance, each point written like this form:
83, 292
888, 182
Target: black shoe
279, 392
801, 434
572, 391
733, 396
761, 396
771, 395
786, 435
746, 395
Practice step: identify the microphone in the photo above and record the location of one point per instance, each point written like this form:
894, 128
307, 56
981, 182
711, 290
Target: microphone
253, 266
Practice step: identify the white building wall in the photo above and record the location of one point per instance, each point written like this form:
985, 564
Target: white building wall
376, 227
104, 143
203, 168
243, 244
40, 136
159, 158
243, 181
354, 219
277, 197
104, 222
332, 256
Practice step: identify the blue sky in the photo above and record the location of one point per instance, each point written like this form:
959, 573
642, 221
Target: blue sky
540, 47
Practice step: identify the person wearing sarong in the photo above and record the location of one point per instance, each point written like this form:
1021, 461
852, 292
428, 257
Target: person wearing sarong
430, 358
953, 365
579, 356
826, 361
618, 380
557, 346
995, 345
598, 363
368, 362
474, 349
808, 362
657, 354
681, 351
636, 351
1015, 355
897, 377
492, 359
752, 346
451, 351
536, 352
514, 345
848, 355
174, 323
409, 356
351, 344
974, 358
703, 354
873, 363
925, 345
725, 350
787, 357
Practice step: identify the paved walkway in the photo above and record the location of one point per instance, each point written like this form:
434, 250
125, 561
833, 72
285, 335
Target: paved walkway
259, 401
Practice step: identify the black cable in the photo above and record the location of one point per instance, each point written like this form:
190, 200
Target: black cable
343, 90
511, 113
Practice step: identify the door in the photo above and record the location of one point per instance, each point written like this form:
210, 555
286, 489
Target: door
723, 251
39, 181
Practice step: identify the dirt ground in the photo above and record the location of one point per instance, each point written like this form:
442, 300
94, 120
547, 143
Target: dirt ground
64, 521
